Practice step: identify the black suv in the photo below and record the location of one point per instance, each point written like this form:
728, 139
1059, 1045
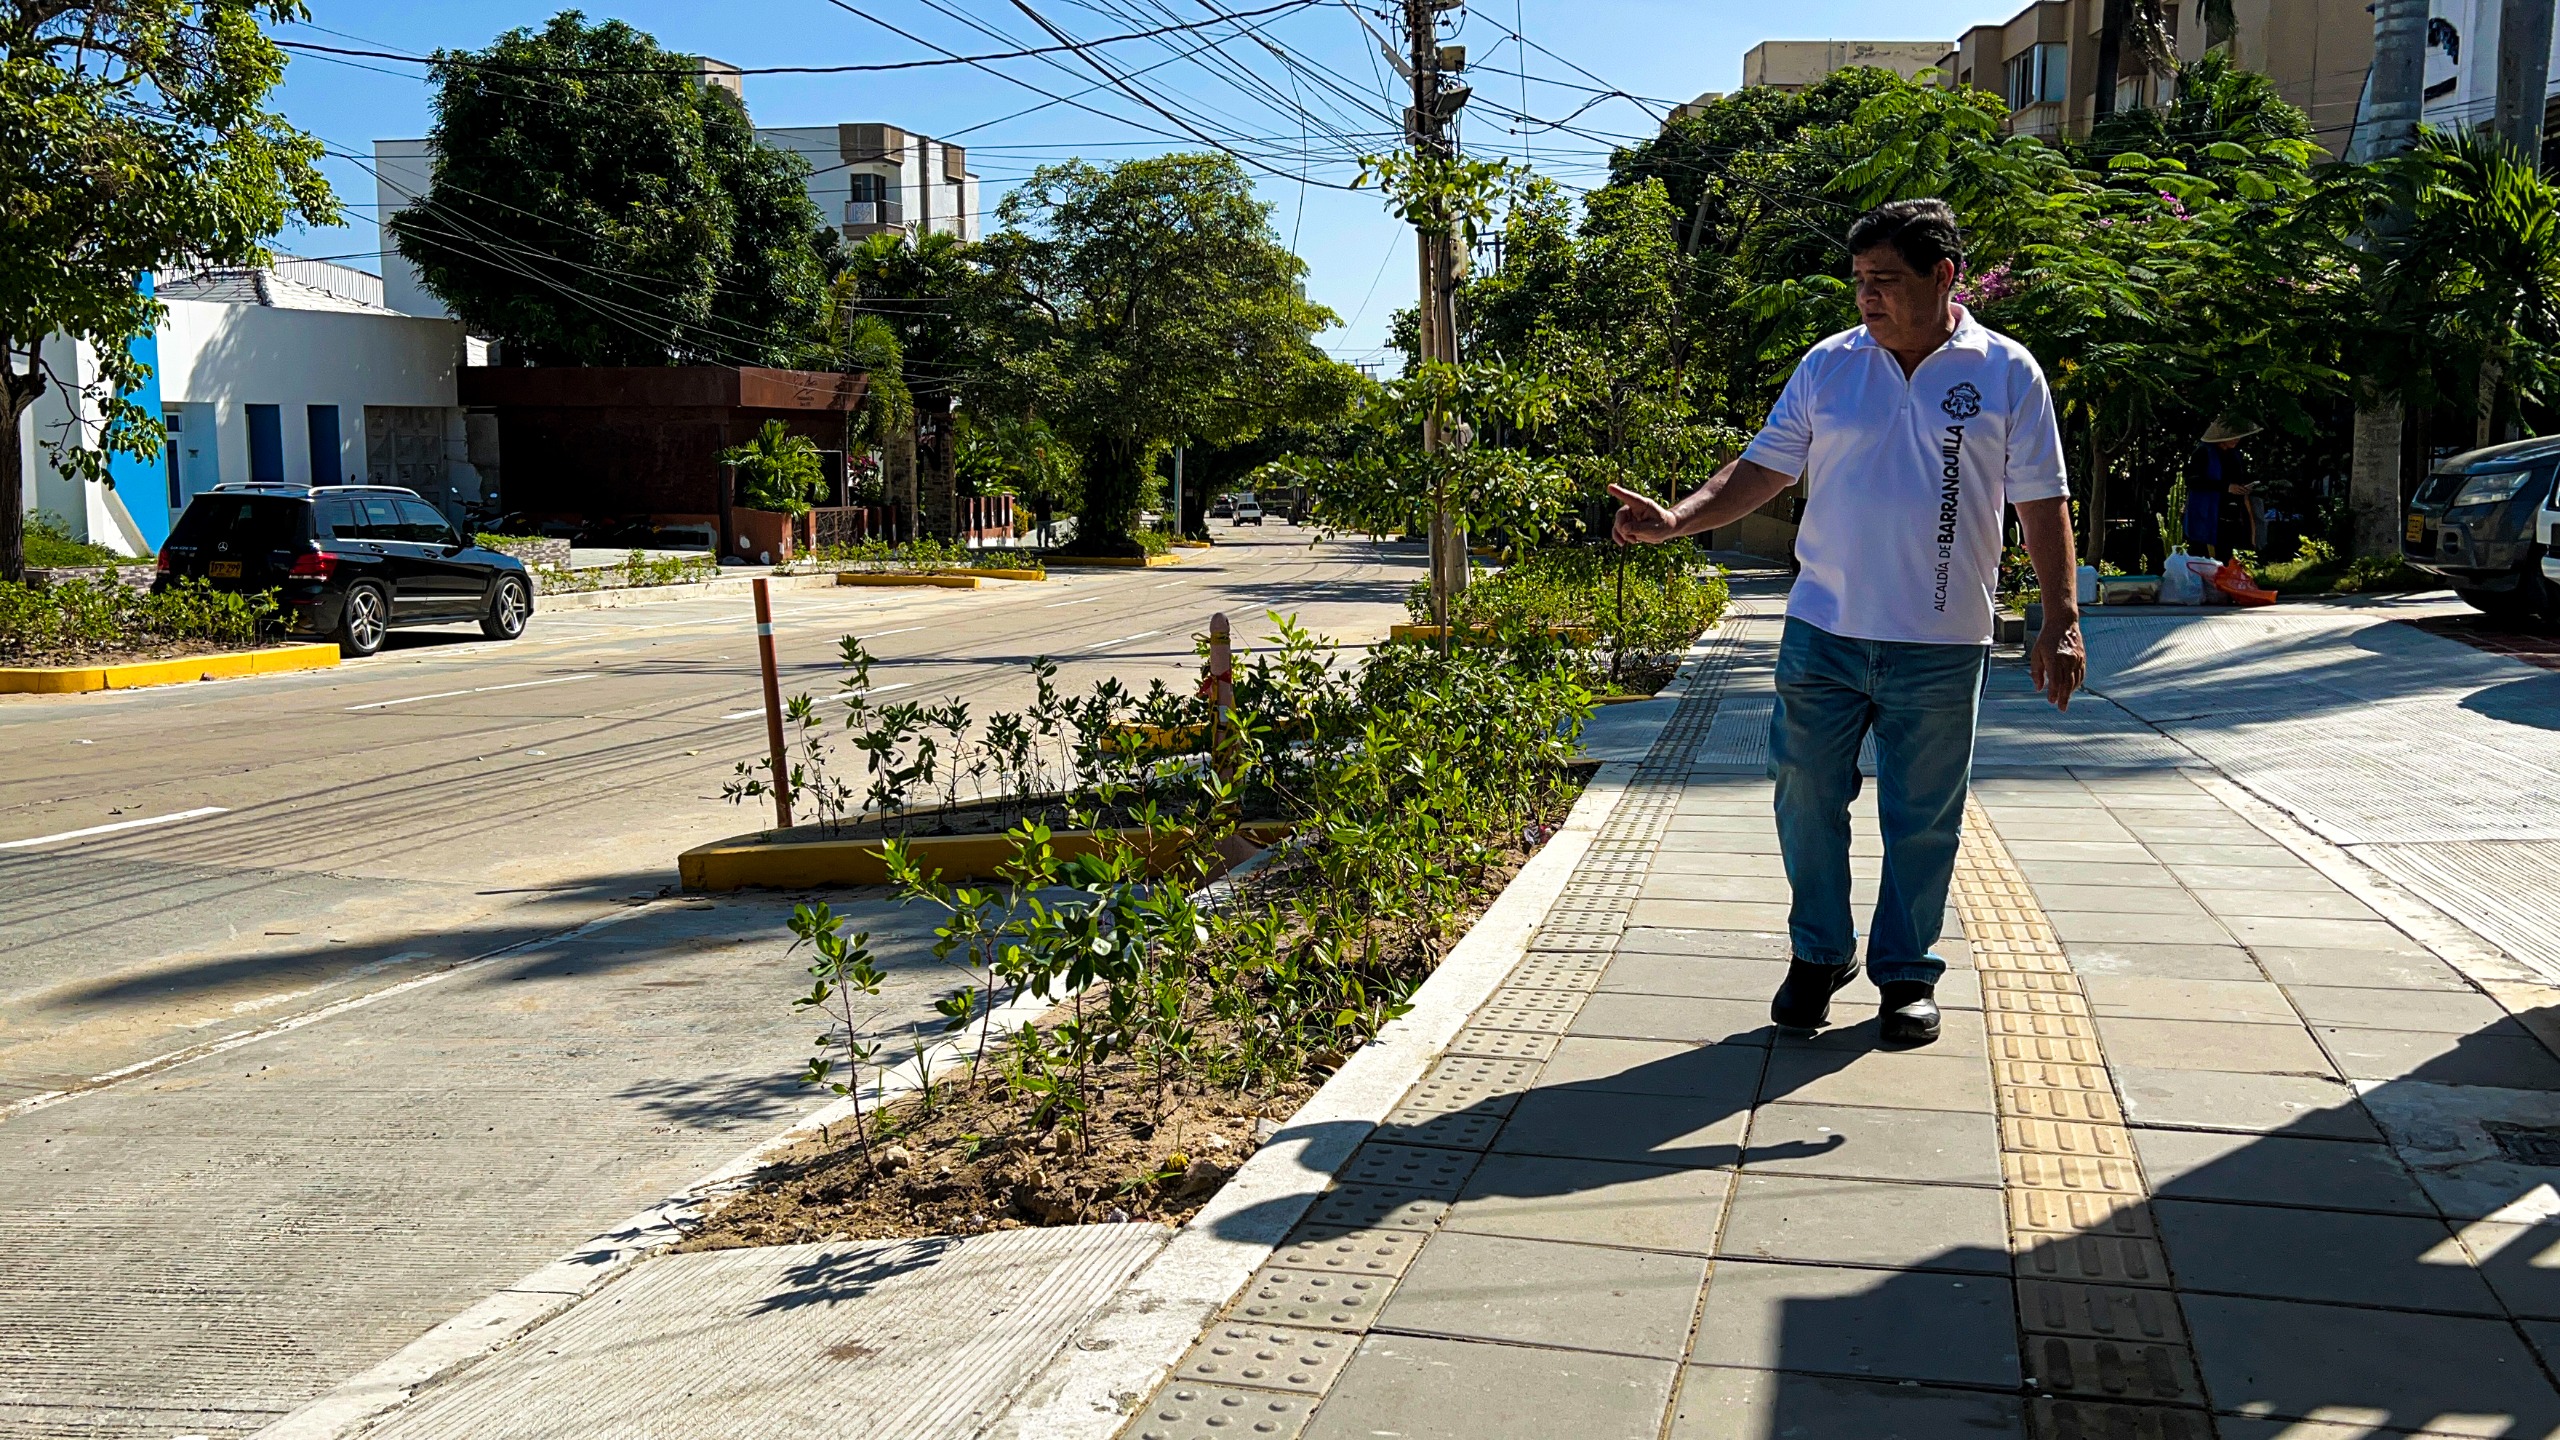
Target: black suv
2472, 523
351, 561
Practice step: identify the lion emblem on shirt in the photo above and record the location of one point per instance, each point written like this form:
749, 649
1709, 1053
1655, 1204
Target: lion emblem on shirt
1963, 402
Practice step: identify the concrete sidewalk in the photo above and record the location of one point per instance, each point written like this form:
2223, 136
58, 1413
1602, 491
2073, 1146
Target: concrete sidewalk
2210, 1146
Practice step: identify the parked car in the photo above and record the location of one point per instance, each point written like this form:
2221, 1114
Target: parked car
350, 561
2472, 524
1222, 508
1248, 510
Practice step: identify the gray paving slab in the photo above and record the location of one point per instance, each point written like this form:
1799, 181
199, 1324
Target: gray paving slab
2303, 965
1739, 889
2087, 852
2148, 997
1593, 1202
1739, 944
1698, 836
757, 1342
2212, 1045
1861, 1324
2149, 875
2118, 899
2118, 794
2512, 1062
2520, 1262
2228, 1100
2295, 878
2272, 1358
2286, 904
2102, 927
1865, 1222
1541, 1292
1718, 1403
1709, 914
1865, 1142
1636, 1129
1724, 1074
2373, 937
2176, 962
2451, 1136
1690, 1018
1899, 1079
2263, 852
2279, 1170
1853, 1030
2335, 1256
1420, 1388
2092, 823
2446, 1011
1713, 977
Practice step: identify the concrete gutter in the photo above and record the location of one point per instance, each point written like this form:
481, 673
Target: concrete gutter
1089, 1391
619, 596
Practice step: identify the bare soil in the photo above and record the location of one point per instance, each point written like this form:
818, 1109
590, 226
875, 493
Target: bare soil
129, 652
967, 1161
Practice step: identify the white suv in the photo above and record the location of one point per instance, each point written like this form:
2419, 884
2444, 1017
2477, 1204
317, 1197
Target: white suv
1248, 510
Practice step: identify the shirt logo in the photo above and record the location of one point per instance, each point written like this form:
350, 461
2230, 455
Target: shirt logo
1963, 402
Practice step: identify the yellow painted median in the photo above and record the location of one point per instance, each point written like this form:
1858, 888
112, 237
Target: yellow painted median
133, 675
1116, 562
756, 861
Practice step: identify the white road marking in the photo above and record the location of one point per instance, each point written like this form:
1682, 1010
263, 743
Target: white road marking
1123, 640
1168, 584
196, 814
1061, 604
743, 714
876, 634
475, 690
874, 690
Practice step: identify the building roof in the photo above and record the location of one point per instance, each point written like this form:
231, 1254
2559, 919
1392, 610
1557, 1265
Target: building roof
258, 285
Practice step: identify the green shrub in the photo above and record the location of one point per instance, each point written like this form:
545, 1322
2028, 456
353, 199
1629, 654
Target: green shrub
880, 556
1639, 601
81, 619
1154, 542
637, 569
49, 545
778, 471
487, 540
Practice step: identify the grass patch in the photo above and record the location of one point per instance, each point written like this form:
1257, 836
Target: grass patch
51, 546
2320, 570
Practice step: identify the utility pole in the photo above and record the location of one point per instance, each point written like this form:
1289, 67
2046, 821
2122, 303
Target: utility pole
2387, 126
1436, 254
2524, 74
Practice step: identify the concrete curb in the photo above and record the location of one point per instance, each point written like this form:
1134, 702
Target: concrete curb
1115, 562
1108, 1369
620, 596
885, 580
135, 674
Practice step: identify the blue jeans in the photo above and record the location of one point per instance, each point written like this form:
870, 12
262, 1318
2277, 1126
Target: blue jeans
1920, 701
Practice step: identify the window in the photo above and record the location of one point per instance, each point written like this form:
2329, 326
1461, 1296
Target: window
175, 420
266, 444
338, 517
2035, 76
247, 523
420, 524
323, 423
377, 517
868, 188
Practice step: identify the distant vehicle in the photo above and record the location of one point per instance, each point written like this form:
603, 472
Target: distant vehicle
350, 561
2482, 523
1222, 508
1248, 510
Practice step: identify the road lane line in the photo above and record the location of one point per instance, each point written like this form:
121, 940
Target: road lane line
475, 690
1061, 604
197, 813
1123, 640
877, 634
874, 690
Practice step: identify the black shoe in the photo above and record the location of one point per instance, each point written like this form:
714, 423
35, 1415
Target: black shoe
1910, 1012
1804, 1000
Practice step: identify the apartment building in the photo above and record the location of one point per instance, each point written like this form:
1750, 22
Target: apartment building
1798, 64
2043, 61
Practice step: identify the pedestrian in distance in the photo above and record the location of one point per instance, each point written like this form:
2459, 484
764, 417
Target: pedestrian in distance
2222, 503
1910, 432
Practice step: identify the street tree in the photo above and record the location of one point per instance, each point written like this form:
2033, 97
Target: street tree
1149, 302
134, 136
929, 295
594, 204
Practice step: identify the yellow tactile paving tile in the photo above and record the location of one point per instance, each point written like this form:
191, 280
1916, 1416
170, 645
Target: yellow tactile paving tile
2099, 1312
2111, 1370
2077, 1212
2049, 1027
2057, 982
2096, 1107
2031, 1136
2052, 1075
2092, 1260
2013, 1001
2046, 1050
2071, 1172
2087, 1420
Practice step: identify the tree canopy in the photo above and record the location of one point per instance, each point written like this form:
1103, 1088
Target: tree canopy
593, 204
133, 136
1149, 302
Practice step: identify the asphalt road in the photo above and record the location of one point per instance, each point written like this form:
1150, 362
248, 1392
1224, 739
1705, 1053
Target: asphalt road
402, 1003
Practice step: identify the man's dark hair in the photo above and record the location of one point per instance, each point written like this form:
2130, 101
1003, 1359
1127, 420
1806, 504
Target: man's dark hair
1922, 232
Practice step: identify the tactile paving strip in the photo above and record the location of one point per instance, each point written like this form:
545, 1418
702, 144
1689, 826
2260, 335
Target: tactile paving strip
2104, 1346
1183, 1410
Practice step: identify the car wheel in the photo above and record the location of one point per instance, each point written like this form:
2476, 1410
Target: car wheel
508, 610
363, 621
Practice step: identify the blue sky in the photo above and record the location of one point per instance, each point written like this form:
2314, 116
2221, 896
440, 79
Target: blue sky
1360, 260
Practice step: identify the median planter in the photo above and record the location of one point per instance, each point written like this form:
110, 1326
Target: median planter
1114, 562
801, 858
1570, 634
135, 674
915, 580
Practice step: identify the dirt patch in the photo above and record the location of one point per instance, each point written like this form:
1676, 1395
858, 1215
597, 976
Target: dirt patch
126, 654
1645, 676
965, 1160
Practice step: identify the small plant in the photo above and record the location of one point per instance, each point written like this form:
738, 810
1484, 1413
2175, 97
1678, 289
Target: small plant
778, 471
844, 976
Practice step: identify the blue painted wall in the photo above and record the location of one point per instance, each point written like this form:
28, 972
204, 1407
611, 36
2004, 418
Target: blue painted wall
143, 485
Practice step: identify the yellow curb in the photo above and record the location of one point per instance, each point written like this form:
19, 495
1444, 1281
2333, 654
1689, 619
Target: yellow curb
886, 580
1621, 699
1194, 544
1172, 738
752, 861
227, 665
1117, 562
990, 572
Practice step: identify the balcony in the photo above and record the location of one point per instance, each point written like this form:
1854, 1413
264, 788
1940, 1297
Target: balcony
871, 217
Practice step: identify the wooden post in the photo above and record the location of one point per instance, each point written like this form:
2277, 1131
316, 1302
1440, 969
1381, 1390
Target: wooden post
1222, 697
772, 707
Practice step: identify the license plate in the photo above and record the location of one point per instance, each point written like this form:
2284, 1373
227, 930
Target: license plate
224, 570
2417, 528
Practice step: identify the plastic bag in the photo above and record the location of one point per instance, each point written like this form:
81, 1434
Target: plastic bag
2179, 583
2233, 579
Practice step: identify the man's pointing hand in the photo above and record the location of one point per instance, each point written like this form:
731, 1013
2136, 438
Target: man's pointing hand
1641, 520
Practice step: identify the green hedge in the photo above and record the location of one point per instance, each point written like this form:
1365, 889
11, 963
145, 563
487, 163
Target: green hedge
82, 619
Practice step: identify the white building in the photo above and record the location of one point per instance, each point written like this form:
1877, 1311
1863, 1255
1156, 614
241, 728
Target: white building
867, 179
296, 373
2462, 64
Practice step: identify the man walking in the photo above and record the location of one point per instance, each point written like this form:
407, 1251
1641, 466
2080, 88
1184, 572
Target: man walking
1910, 431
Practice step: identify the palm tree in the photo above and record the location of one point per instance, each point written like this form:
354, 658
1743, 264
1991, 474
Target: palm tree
2474, 280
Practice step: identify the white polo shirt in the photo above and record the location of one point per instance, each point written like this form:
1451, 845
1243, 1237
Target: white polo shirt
1904, 479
